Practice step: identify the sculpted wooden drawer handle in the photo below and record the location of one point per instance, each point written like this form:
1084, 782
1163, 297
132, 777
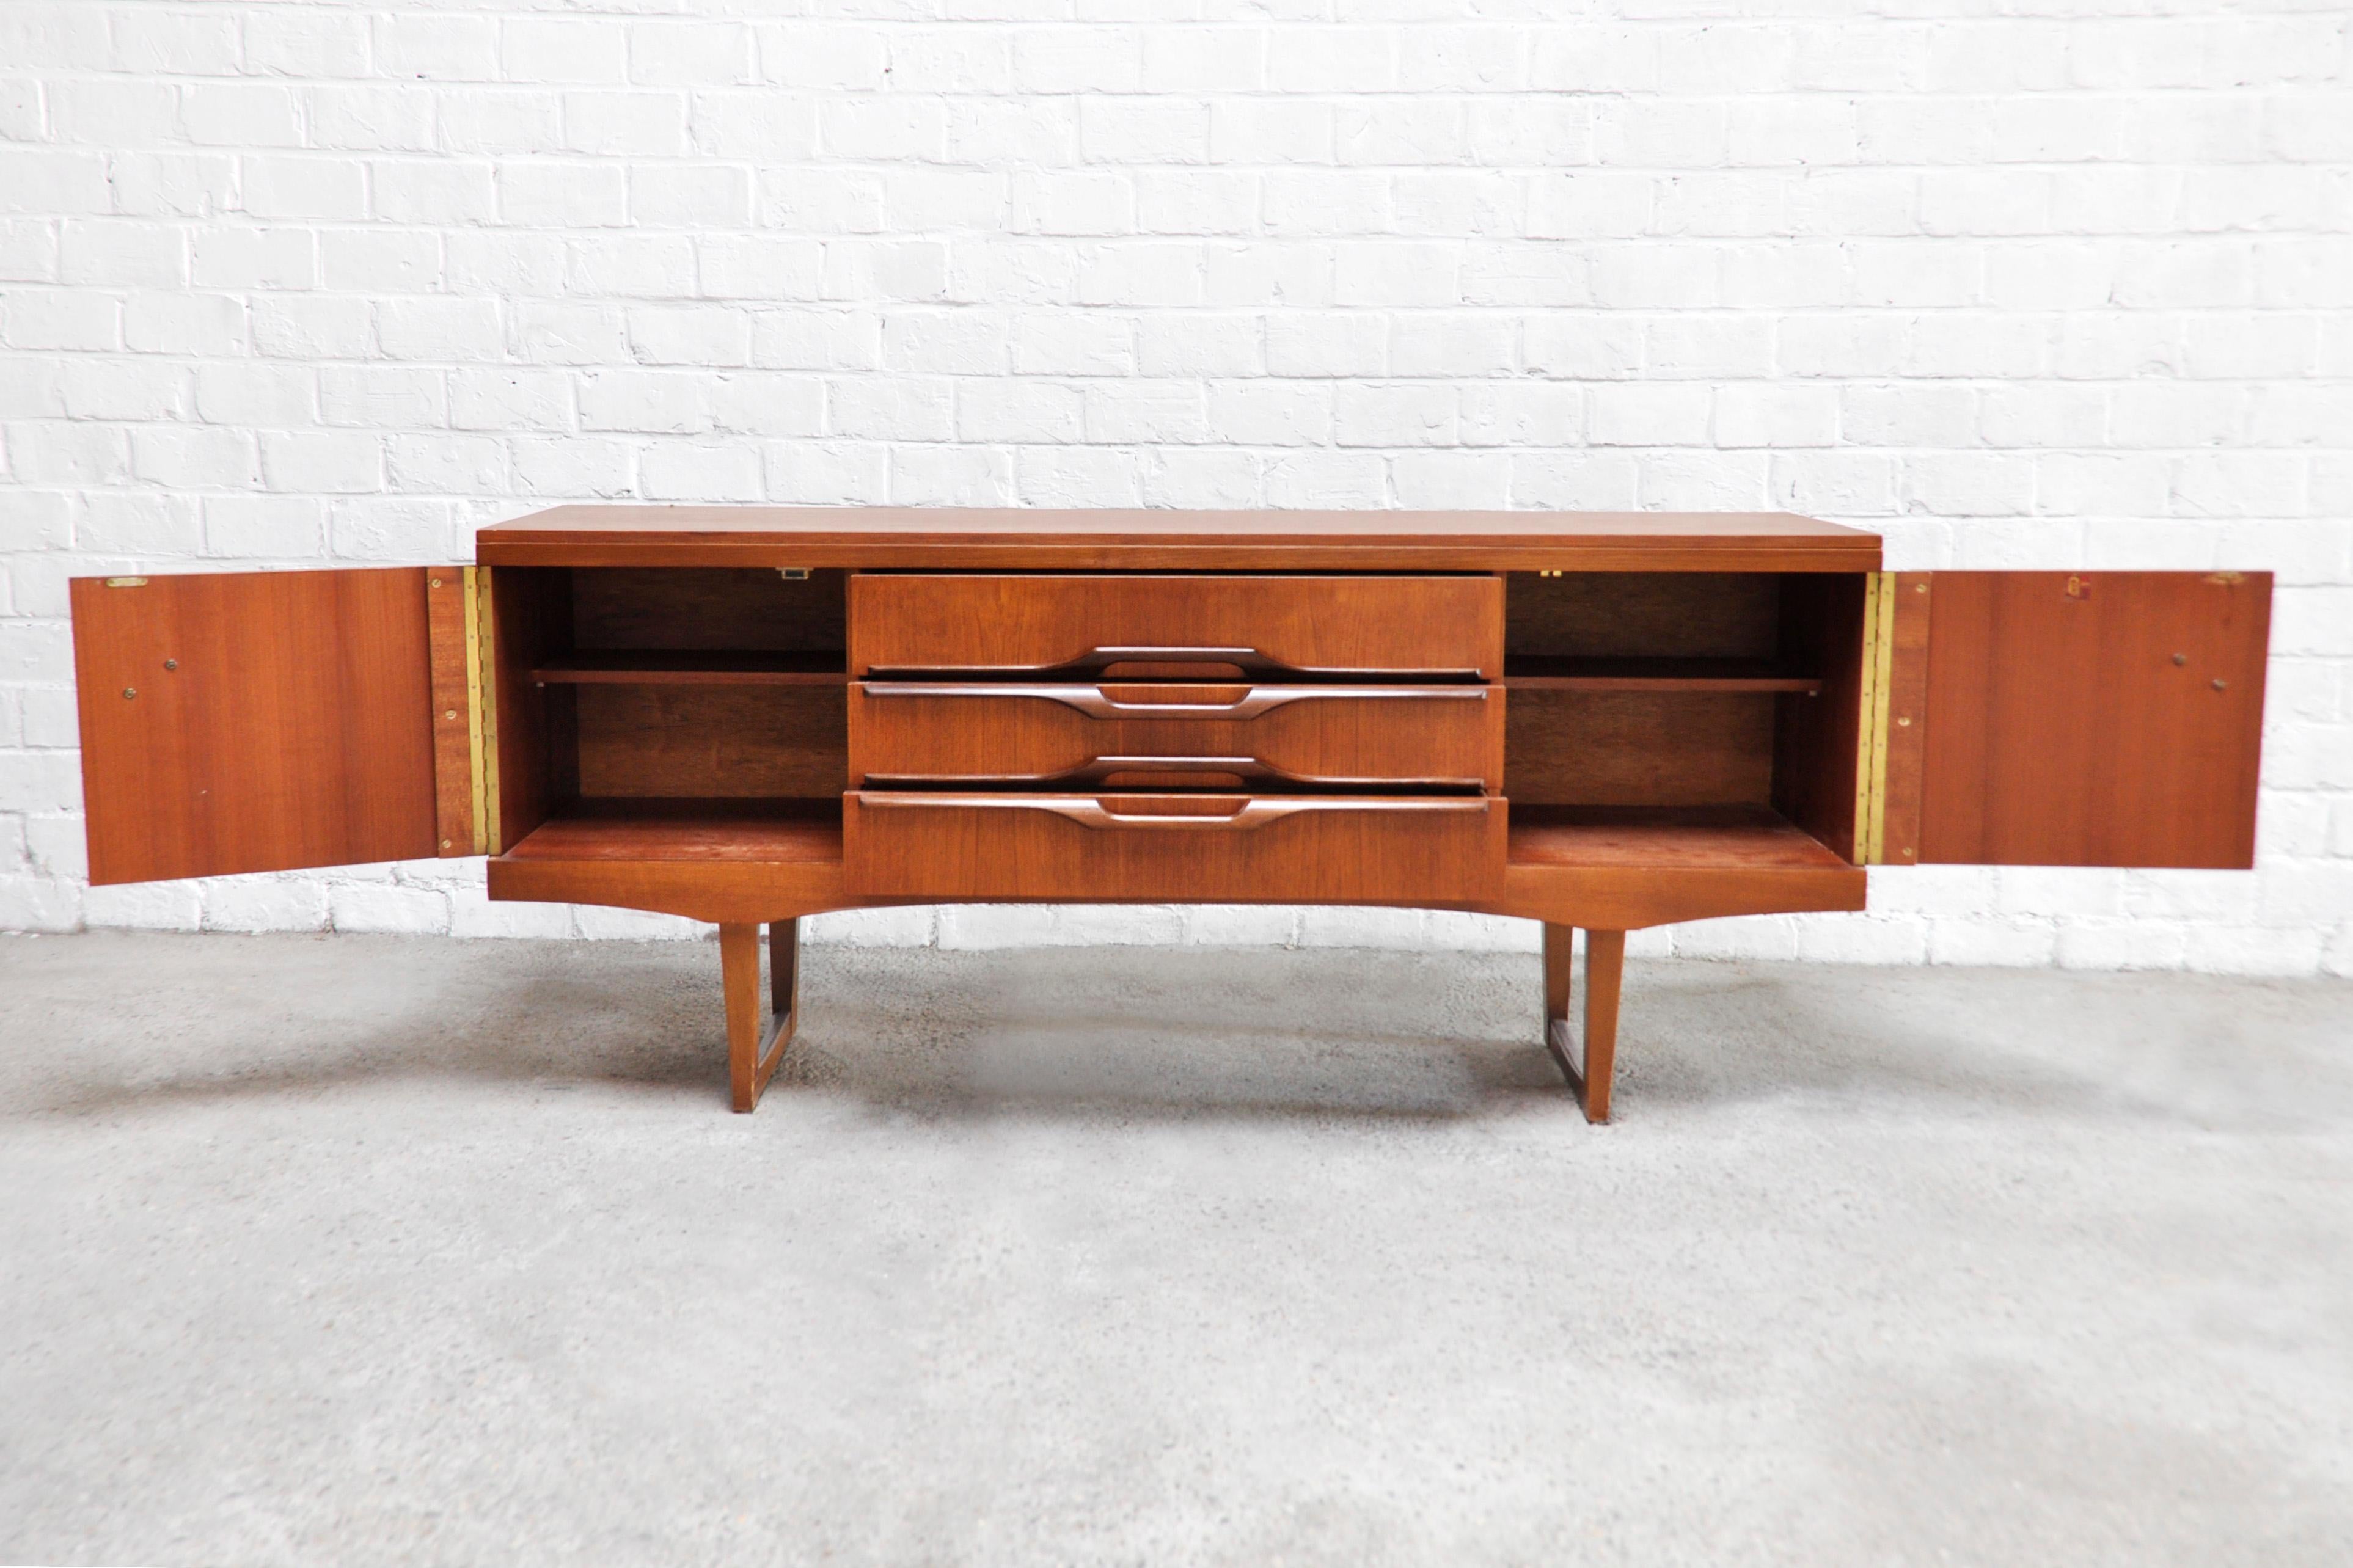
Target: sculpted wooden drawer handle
1097, 703
1104, 768
1249, 660
1255, 812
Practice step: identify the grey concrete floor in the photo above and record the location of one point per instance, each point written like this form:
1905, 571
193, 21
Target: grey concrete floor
349, 1250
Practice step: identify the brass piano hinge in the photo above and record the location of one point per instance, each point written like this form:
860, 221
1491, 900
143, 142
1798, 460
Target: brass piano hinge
480, 729
1883, 681
1872, 717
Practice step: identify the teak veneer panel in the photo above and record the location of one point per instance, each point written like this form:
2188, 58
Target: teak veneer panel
1190, 848
1643, 614
712, 741
452, 711
682, 608
1011, 627
279, 719
1638, 748
1336, 737
1625, 869
2093, 719
1045, 540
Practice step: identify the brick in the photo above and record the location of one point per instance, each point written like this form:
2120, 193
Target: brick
247, 259
947, 476
39, 904
143, 906
238, 114
446, 465
380, 260
500, 120
826, 473
365, 906
322, 462
263, 903
196, 459
430, 328
286, 41
442, 192
437, 46
626, 124
395, 530
673, 471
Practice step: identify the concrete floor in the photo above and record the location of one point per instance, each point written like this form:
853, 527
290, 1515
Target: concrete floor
347, 1250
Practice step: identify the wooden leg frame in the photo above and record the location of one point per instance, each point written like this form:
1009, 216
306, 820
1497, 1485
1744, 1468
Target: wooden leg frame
1590, 1070
754, 1051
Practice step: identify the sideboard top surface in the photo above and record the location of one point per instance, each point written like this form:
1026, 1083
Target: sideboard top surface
1047, 539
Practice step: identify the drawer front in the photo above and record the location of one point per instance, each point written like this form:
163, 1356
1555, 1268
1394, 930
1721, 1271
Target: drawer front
1303, 848
1334, 737
1155, 625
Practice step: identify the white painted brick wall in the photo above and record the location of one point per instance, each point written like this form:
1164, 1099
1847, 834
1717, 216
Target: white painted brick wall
292, 283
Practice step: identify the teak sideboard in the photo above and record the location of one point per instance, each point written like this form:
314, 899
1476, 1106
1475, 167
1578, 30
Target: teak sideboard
746, 715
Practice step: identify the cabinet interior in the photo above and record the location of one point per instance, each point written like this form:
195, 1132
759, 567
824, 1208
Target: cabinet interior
1630, 696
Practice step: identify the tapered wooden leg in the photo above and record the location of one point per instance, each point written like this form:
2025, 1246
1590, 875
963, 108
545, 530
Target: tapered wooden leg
1559, 943
1605, 975
1588, 1070
753, 1050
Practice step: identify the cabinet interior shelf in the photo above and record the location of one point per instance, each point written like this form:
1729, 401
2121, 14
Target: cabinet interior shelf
667, 667
712, 832
1535, 673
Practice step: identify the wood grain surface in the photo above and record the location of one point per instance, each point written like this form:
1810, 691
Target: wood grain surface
2093, 719
255, 722
1308, 848
1279, 627
1333, 736
452, 708
1029, 538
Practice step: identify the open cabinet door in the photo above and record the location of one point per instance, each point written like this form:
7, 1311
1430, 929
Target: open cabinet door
268, 721
2073, 718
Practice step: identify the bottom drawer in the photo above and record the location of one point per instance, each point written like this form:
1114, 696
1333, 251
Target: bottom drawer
1174, 848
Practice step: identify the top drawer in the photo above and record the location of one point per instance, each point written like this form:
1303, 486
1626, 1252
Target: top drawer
1165, 627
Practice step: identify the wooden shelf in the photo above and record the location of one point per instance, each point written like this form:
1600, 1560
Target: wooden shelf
652, 667
1534, 673
710, 831
1707, 837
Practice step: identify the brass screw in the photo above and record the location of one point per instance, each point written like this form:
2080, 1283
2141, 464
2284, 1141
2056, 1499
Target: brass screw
434, 582
129, 692
451, 714
2181, 658
444, 843
2221, 686
1905, 722
1919, 588
171, 664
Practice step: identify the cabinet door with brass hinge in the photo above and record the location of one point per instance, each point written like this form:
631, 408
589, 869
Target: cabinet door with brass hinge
2067, 718
273, 721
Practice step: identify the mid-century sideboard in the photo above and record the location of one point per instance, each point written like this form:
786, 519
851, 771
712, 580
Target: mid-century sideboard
747, 715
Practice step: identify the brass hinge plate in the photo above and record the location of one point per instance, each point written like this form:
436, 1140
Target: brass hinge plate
1878, 695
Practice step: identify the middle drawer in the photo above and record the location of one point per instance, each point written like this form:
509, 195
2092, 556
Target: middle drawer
1149, 736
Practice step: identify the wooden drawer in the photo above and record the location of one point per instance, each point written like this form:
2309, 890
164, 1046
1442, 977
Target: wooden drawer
1151, 625
1335, 737
1307, 849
